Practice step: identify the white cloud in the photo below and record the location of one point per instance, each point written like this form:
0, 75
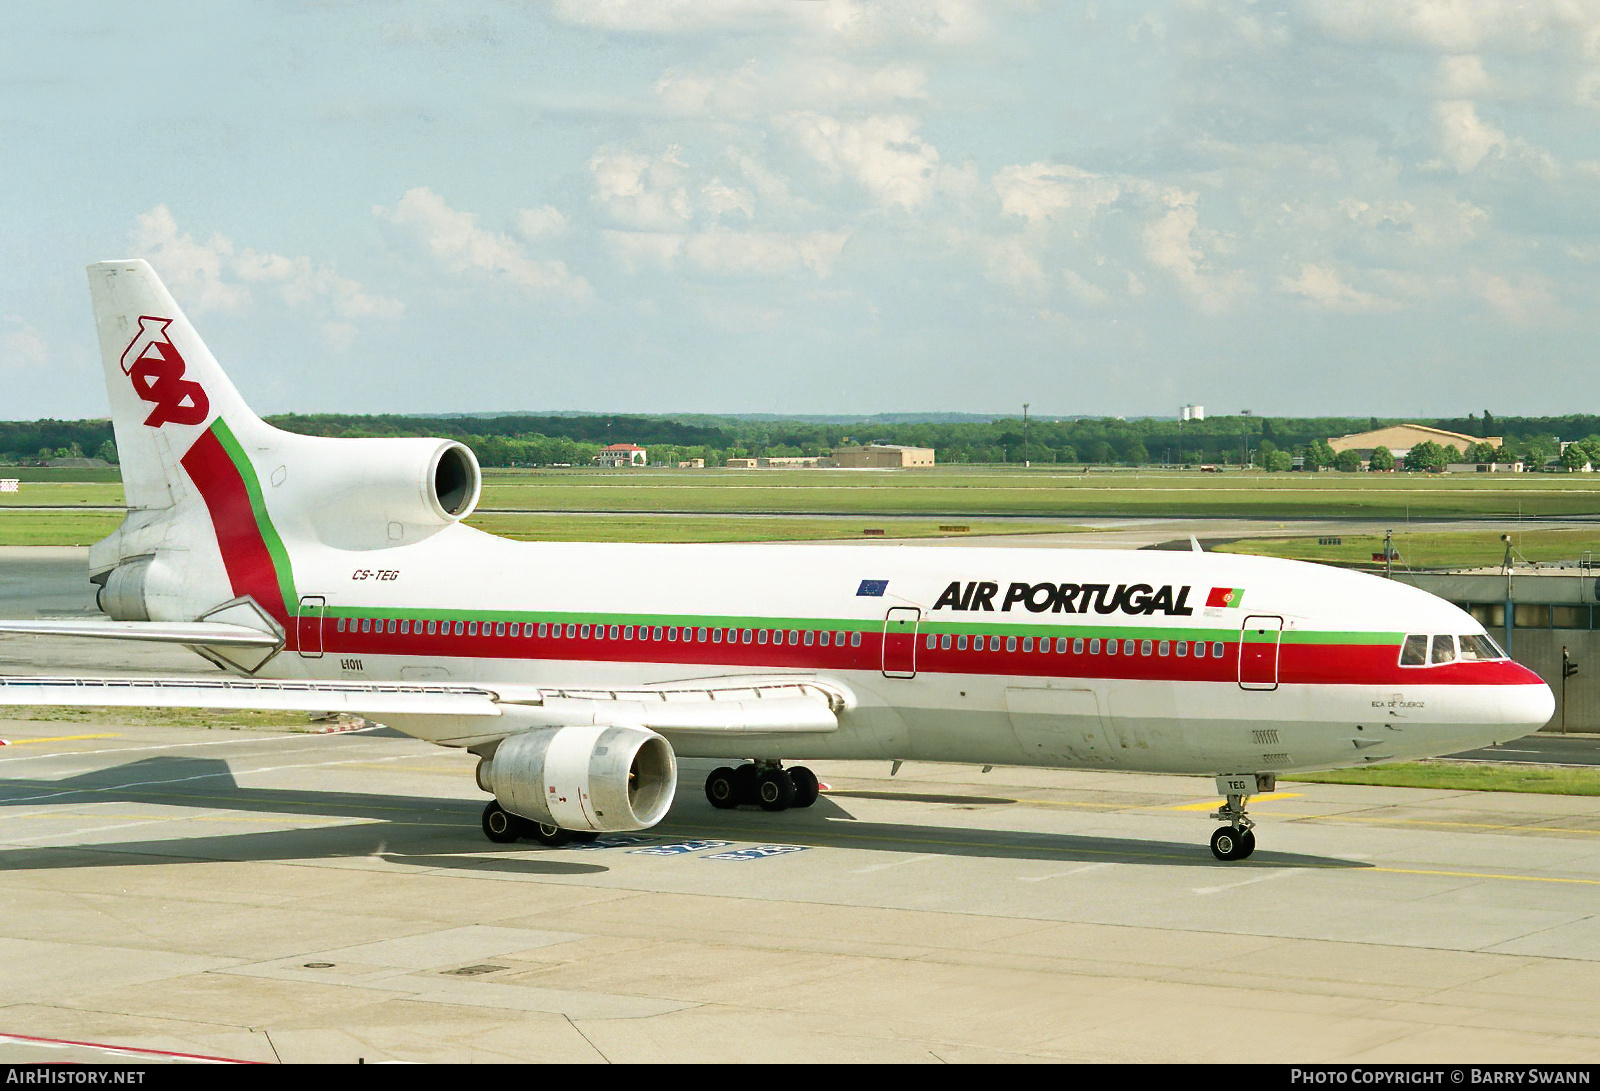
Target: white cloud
1464, 137
22, 346
1173, 242
849, 22
1323, 286
216, 275
191, 269
720, 198
462, 246
642, 191
1459, 26
786, 84
1524, 303
882, 153
1039, 191
723, 252
536, 223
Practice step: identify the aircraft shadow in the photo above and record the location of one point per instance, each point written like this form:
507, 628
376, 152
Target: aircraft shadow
445, 833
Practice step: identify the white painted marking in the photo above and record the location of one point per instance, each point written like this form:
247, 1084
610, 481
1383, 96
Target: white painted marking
1246, 882
1061, 874
897, 863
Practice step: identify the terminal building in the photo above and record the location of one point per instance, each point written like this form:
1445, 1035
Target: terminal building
621, 454
1400, 438
881, 456
1534, 612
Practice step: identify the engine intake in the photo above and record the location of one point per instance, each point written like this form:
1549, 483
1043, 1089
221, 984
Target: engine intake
371, 493
607, 779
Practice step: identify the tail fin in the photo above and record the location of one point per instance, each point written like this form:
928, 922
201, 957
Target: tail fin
166, 388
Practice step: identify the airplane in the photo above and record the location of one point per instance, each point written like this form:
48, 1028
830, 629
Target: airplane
338, 575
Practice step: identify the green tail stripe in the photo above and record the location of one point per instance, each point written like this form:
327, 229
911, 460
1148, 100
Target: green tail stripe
281, 566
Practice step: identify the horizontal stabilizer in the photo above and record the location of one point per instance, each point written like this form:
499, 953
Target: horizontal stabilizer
364, 698
214, 634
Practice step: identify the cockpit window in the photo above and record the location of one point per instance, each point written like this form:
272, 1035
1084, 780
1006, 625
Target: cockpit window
1444, 649
1477, 648
1414, 653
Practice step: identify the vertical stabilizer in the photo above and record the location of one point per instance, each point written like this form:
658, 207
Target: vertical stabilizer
165, 387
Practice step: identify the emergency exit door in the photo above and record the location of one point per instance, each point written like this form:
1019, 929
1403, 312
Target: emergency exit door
308, 634
900, 641
1259, 639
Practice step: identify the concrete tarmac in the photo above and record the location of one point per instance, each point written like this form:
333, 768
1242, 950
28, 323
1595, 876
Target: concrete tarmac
274, 895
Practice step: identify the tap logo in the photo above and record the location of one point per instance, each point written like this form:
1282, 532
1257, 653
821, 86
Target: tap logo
156, 369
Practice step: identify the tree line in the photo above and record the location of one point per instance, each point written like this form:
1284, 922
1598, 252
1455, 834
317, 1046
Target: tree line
526, 439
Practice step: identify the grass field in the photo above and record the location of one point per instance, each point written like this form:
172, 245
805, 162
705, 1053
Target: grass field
535, 527
1467, 775
989, 491
979, 491
1431, 549
56, 528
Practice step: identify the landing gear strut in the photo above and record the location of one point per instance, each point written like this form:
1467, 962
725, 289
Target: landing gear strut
765, 784
1237, 839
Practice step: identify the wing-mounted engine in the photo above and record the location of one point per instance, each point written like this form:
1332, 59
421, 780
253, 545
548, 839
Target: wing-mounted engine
603, 778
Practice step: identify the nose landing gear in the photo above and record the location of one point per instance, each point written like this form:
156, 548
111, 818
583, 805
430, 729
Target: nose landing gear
1237, 840
763, 783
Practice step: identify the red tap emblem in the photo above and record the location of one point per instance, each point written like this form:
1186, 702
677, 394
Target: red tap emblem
156, 369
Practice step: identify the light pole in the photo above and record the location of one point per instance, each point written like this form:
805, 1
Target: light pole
1025, 434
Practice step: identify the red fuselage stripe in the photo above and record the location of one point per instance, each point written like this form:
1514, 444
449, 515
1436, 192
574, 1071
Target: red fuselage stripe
244, 552
1298, 664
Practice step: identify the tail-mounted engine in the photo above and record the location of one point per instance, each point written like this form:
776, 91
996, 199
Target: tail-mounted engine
584, 778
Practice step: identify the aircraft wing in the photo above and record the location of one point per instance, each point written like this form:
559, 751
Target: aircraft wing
737, 705
209, 633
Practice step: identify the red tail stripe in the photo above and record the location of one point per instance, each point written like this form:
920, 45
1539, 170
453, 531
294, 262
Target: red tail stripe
244, 551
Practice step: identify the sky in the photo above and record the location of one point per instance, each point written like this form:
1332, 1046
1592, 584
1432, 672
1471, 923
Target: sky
1328, 207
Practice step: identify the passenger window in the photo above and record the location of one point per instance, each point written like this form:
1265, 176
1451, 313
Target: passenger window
961, 643
657, 633
811, 637
1145, 647
1077, 645
1414, 652
627, 632
1444, 649
1011, 643
1094, 646
672, 632
749, 636
1216, 649
1111, 647
1127, 647
824, 638
994, 643
855, 640
1027, 643
572, 630
931, 642
1163, 648
944, 642
716, 636
584, 632
1181, 647
702, 636
544, 629
341, 625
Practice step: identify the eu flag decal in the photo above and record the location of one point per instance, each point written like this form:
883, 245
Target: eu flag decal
872, 588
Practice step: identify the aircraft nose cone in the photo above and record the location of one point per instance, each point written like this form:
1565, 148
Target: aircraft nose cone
1529, 705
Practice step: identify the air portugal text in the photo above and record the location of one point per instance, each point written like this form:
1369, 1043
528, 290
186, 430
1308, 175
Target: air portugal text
1069, 598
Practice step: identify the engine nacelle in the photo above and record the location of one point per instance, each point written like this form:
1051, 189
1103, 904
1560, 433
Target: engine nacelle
602, 778
370, 493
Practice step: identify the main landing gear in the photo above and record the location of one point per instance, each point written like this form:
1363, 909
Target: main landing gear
767, 784
1237, 839
504, 828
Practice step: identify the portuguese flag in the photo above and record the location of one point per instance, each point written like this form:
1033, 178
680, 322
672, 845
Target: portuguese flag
1225, 596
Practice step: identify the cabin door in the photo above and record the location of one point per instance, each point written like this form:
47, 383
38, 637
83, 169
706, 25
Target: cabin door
1259, 638
900, 641
308, 635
